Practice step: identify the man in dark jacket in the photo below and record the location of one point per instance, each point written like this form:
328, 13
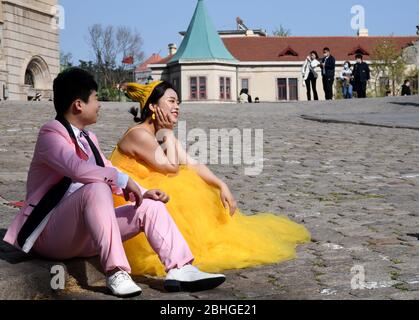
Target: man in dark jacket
361, 75
328, 65
406, 88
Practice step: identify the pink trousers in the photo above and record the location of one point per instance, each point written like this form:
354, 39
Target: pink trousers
85, 224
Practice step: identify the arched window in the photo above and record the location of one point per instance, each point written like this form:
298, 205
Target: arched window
29, 78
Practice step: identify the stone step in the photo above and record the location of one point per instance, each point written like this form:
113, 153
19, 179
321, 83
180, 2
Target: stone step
29, 277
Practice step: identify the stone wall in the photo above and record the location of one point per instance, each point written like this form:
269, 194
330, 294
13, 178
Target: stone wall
30, 44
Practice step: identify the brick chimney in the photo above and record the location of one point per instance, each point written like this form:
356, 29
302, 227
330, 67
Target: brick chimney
363, 32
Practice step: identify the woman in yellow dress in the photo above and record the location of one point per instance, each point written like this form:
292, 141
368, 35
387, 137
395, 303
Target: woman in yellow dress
202, 205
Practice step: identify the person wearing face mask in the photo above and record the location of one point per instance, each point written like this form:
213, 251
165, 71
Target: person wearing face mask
328, 66
202, 205
406, 88
346, 77
361, 74
310, 75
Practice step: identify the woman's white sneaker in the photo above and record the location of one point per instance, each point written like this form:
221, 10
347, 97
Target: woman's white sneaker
190, 279
121, 285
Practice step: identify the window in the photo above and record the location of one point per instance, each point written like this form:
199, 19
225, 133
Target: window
228, 88
29, 79
288, 89
293, 88
282, 89
245, 84
194, 88
222, 88
225, 88
202, 88
358, 50
198, 88
288, 52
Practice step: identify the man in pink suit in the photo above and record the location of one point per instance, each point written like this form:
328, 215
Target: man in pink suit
69, 210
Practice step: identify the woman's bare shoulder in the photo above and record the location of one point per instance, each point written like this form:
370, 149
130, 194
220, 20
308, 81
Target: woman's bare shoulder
139, 133
135, 139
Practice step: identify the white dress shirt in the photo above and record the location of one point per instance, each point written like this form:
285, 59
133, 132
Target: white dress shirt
122, 177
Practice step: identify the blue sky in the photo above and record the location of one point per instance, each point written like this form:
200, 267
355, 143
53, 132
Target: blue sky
160, 21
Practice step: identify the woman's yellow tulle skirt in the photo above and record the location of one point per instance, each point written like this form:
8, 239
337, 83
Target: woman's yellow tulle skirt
217, 240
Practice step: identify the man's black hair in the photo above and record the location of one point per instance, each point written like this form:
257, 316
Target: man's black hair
70, 85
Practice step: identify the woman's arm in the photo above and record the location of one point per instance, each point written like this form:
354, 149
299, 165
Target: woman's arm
201, 169
208, 176
142, 146
315, 63
304, 68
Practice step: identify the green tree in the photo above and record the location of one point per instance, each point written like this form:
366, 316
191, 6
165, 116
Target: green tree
110, 45
388, 62
282, 32
65, 60
413, 76
106, 92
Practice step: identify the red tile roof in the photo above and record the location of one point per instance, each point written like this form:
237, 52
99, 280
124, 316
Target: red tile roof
166, 59
155, 58
271, 48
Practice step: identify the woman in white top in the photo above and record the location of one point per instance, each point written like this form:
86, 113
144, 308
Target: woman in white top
244, 96
310, 74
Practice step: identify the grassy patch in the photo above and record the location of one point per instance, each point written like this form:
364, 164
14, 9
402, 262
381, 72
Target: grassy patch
394, 275
319, 263
396, 261
401, 286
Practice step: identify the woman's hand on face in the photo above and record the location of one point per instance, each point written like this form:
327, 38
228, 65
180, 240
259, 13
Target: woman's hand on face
228, 199
163, 121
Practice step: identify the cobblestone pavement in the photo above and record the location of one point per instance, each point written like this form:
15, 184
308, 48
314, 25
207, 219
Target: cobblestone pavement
355, 187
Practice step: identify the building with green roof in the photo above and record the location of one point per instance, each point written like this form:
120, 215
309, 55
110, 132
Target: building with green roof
202, 66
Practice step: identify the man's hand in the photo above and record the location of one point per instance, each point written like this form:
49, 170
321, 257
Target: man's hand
157, 195
133, 189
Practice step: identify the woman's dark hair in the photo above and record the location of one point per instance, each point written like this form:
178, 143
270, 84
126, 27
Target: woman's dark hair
349, 64
70, 85
315, 53
154, 98
406, 81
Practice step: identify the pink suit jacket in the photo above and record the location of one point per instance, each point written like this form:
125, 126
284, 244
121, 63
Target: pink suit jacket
54, 158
